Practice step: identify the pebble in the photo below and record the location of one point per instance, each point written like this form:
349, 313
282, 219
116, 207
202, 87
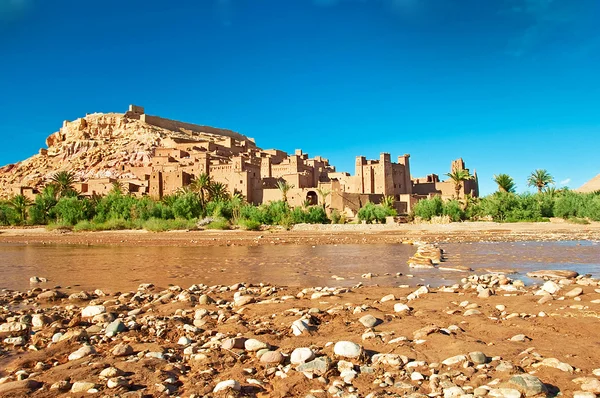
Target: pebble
577, 291
301, 355
227, 385
92, 310
82, 386
272, 357
400, 307
369, 321
255, 345
122, 349
82, 352
347, 349
528, 384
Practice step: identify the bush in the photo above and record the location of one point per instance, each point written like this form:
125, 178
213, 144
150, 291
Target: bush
112, 224
249, 225
187, 206
337, 217
453, 209
428, 208
159, 225
219, 223
8, 215
377, 213
71, 210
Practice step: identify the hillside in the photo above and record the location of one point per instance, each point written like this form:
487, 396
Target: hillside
102, 145
590, 186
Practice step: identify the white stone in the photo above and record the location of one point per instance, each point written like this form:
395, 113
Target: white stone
400, 307
302, 355
92, 310
84, 351
551, 287
227, 385
347, 349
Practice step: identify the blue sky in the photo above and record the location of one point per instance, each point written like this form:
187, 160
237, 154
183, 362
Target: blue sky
509, 85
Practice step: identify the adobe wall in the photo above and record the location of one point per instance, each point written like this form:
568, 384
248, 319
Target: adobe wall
175, 125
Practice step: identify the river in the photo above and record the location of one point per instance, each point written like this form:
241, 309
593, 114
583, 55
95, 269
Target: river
118, 268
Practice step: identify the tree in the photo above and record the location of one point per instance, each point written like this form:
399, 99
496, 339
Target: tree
201, 185
458, 177
505, 183
218, 191
21, 203
284, 187
64, 180
388, 201
323, 193
540, 179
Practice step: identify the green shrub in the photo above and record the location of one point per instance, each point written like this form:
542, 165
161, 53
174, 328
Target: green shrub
71, 210
219, 223
112, 224
249, 225
187, 206
337, 217
8, 215
453, 209
428, 208
375, 213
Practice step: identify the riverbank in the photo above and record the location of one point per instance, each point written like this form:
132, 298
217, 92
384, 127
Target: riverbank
315, 234
488, 335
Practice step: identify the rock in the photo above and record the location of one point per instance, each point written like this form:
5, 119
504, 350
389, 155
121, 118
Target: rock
255, 345
318, 366
553, 274
205, 300
227, 385
551, 287
243, 300
347, 349
583, 394
122, 350
399, 307
37, 279
504, 393
183, 340
301, 326
115, 327
395, 361
111, 372
591, 385
478, 357
116, 382
82, 352
40, 320
301, 355
454, 360
92, 310
13, 387
369, 321
272, 357
555, 363
13, 329
472, 312
425, 331
389, 297
62, 385
230, 344
453, 392
418, 293
520, 338
528, 384
577, 291
50, 295
82, 386
545, 299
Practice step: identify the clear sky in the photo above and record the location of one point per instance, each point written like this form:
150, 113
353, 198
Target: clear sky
508, 85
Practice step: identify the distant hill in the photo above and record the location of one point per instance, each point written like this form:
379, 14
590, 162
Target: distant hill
103, 145
590, 186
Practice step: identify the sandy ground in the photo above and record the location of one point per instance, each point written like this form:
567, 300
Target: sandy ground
559, 333
319, 234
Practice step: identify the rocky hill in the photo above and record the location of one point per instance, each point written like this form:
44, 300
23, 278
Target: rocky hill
590, 186
101, 145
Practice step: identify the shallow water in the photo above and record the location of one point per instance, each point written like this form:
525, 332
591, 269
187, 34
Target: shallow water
124, 268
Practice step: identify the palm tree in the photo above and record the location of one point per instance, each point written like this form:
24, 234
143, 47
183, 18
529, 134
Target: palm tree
46, 200
323, 193
284, 187
20, 203
117, 187
458, 176
201, 185
540, 178
64, 180
387, 201
505, 183
218, 191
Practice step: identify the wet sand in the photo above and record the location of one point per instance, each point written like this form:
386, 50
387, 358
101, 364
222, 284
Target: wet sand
320, 235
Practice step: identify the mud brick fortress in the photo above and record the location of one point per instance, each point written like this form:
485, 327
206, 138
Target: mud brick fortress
155, 156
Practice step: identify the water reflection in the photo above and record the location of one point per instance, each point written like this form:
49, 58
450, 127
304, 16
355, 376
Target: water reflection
123, 268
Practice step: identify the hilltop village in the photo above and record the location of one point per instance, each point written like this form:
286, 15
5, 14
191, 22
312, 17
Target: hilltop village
150, 155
